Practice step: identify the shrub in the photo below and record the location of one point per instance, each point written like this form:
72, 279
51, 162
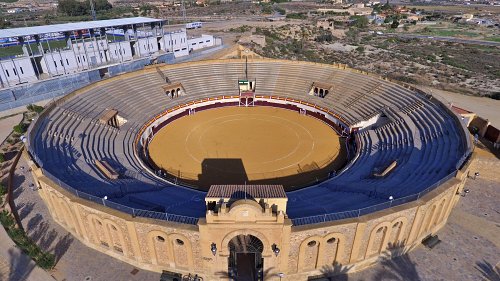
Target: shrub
20, 128
35, 108
495, 96
6, 219
2, 158
46, 260
299, 16
3, 189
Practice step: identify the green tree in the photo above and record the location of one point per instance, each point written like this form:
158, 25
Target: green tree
395, 24
360, 21
76, 8
20, 128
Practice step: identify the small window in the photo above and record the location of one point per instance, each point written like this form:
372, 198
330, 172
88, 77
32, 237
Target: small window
78, 59
21, 68
193, 44
15, 72
113, 227
331, 240
311, 244
55, 64
208, 41
116, 53
179, 242
160, 239
84, 58
6, 71
67, 62
62, 64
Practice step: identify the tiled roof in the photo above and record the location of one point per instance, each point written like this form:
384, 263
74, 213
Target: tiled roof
246, 191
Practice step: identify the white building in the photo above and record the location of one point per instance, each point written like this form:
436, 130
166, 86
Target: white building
91, 45
16, 71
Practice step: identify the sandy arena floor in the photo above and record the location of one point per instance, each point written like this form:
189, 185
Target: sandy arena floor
234, 145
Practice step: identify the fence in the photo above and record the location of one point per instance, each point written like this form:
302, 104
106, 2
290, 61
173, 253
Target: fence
128, 67
47, 89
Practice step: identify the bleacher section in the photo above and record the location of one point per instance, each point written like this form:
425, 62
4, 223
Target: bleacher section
424, 137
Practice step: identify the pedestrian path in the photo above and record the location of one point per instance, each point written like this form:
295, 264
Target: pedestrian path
17, 266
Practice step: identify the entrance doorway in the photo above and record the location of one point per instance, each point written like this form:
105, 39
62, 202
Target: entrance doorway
245, 258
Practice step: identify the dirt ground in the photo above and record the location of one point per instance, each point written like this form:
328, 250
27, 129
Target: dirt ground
255, 145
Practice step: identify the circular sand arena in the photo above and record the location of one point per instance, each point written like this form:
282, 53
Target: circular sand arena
258, 145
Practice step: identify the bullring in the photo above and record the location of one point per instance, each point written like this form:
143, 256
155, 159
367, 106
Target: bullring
406, 162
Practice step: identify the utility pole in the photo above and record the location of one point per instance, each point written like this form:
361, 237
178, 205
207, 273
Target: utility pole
183, 9
92, 10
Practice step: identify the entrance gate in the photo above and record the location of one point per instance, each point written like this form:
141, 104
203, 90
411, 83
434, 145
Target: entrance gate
245, 258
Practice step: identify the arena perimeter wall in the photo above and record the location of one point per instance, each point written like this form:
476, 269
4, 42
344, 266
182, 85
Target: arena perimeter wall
307, 250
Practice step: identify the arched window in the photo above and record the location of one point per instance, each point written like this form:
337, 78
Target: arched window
179, 242
160, 239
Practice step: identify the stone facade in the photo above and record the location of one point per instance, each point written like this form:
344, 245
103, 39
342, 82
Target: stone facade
309, 250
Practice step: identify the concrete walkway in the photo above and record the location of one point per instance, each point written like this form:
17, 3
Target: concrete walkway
7, 125
17, 266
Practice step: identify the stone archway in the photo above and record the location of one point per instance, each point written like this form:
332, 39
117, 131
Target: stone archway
245, 262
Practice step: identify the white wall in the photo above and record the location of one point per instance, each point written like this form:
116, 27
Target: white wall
120, 51
146, 46
16, 71
204, 41
96, 51
175, 42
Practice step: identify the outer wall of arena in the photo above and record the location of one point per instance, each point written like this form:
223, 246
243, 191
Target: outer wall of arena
310, 250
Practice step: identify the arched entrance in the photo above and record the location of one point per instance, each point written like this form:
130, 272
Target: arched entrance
245, 258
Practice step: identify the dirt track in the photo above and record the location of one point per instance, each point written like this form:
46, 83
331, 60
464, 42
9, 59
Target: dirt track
254, 145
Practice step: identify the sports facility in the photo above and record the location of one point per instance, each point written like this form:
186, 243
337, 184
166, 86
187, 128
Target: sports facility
250, 167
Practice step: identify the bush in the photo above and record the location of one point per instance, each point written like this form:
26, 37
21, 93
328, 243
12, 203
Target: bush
35, 108
360, 21
46, 260
3, 189
6, 219
20, 128
43, 260
2, 158
298, 16
495, 96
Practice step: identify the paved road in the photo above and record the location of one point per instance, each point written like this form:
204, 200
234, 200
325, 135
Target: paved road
442, 38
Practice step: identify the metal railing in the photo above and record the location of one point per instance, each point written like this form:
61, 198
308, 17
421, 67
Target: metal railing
367, 210
126, 209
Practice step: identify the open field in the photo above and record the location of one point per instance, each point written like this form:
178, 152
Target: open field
239, 145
